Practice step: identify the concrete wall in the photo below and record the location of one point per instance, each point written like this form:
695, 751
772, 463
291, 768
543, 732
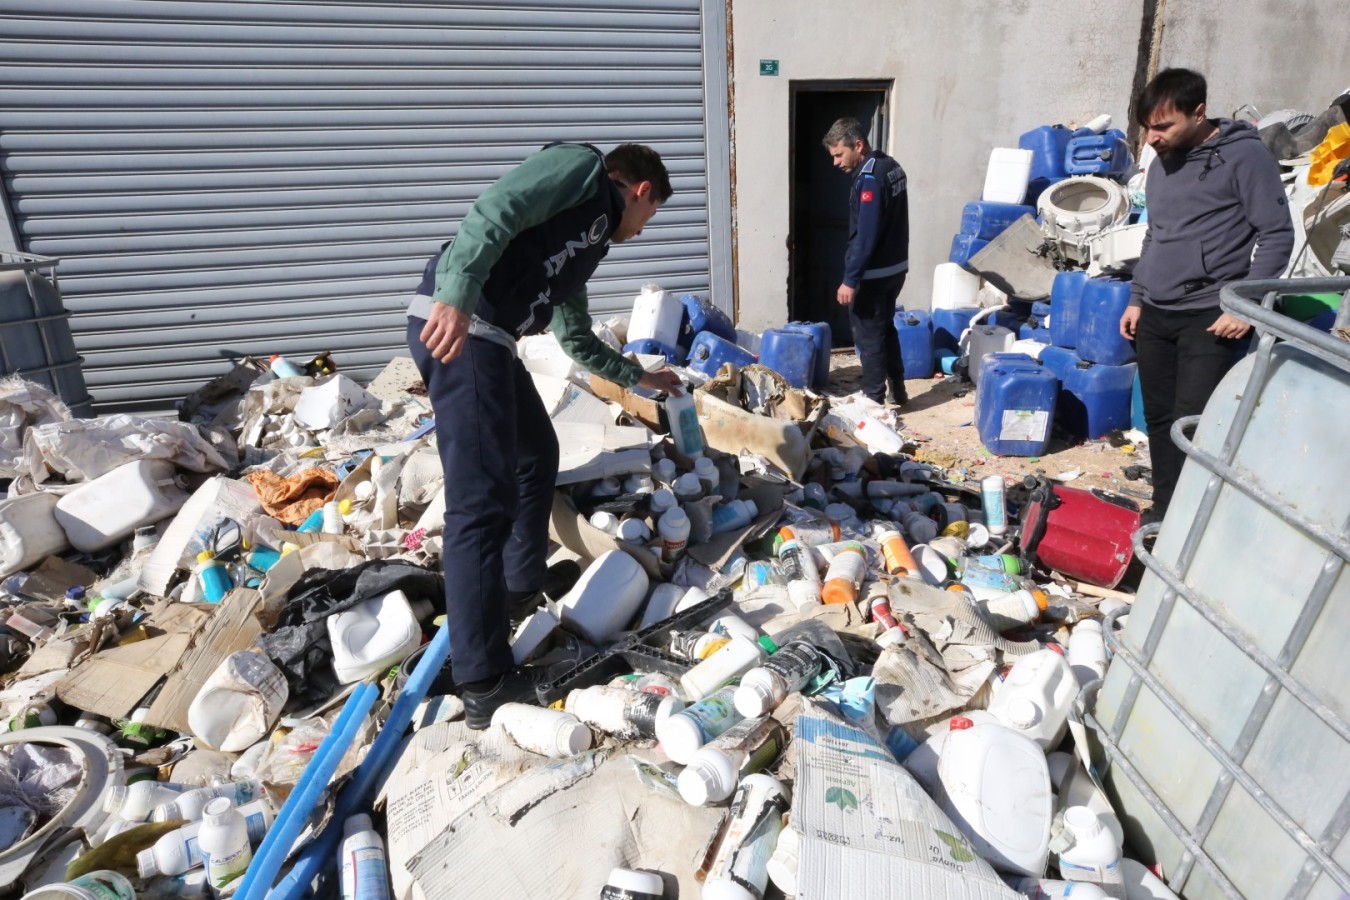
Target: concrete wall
968, 76
1273, 54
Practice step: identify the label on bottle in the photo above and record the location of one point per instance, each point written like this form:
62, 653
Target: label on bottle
713, 714
691, 437
363, 874
610, 892
105, 885
221, 869
796, 662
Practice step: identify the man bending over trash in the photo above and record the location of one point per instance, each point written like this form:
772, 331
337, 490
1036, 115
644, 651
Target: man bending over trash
518, 265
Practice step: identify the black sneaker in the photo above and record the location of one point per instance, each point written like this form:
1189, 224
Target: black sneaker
515, 686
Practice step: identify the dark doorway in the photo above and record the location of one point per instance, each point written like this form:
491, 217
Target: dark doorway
818, 195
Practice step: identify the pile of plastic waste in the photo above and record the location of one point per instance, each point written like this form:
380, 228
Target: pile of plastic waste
793, 650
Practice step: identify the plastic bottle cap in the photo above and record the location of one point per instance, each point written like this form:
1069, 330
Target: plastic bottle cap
676, 516
753, 699
960, 723
1083, 821
1040, 598
766, 643
75, 593
356, 823
115, 798
145, 863
217, 811
205, 556
696, 783
1022, 713
751, 508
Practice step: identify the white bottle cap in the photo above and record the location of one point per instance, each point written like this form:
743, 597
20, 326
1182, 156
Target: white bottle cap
166, 812
1021, 713
697, 783
751, 508
724, 889
356, 824
633, 530
572, 738
754, 697
1083, 822
662, 500
145, 863
680, 737
675, 517
705, 466
217, 811
636, 882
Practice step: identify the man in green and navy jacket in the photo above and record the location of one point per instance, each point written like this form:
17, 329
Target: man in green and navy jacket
518, 265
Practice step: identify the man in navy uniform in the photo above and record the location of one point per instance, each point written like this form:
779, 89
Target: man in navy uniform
878, 256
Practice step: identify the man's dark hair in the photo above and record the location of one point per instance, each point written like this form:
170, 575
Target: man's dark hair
844, 131
1181, 89
634, 163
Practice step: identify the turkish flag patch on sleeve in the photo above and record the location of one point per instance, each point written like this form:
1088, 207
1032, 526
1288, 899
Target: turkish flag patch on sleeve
866, 197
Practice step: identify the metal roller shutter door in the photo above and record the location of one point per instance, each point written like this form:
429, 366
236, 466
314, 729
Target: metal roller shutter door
230, 178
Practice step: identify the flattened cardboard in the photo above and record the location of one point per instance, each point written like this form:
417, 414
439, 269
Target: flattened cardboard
234, 627
111, 682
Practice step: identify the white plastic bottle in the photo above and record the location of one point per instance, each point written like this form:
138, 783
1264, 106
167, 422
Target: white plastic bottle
718, 766
660, 604
365, 871
992, 489
29, 532
688, 488
102, 512
706, 470
102, 884
190, 805
733, 515
1141, 884
628, 884
995, 786
782, 866
735, 659
605, 521
223, 842
788, 670
1044, 679
633, 531
656, 316
739, 870
663, 471
332, 518
1094, 856
674, 527
179, 850
1012, 609
620, 711
239, 703
606, 597
662, 501
1087, 651
548, 732
685, 431
134, 802
684, 732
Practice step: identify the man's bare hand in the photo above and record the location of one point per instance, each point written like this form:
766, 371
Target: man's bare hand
845, 295
1226, 326
662, 380
446, 331
1129, 322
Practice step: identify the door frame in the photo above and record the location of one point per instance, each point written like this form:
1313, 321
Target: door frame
879, 134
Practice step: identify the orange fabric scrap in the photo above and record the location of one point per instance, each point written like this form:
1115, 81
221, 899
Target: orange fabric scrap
292, 500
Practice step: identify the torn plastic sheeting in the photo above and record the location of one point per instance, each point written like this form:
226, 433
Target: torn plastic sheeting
84, 449
37, 778
298, 642
24, 405
293, 499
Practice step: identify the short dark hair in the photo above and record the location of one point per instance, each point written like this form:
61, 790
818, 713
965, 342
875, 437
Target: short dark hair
634, 163
1181, 89
844, 131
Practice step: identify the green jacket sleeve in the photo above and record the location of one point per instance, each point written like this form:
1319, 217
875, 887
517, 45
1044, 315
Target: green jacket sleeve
544, 185
571, 325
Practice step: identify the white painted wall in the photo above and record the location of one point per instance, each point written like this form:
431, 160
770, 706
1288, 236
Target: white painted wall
969, 76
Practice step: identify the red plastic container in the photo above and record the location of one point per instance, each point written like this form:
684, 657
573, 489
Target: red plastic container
1084, 534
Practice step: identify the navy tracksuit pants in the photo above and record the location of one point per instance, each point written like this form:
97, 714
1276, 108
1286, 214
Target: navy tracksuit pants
872, 318
500, 457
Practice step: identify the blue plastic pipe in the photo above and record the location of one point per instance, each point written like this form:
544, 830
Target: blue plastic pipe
289, 822
375, 766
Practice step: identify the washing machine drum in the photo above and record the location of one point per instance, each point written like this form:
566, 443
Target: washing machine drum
1075, 209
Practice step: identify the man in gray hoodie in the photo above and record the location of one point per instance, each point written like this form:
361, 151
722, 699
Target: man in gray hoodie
1213, 196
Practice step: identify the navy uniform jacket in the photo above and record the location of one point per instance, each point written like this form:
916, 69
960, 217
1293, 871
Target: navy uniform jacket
878, 221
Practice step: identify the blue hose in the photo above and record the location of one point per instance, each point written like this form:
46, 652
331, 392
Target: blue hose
291, 819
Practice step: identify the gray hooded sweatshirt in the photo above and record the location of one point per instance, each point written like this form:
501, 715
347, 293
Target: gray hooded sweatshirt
1207, 209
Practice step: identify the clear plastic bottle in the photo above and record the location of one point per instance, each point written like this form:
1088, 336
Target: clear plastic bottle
365, 871
213, 576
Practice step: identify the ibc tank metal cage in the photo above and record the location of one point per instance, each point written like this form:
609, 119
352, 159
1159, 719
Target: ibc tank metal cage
35, 338
1291, 808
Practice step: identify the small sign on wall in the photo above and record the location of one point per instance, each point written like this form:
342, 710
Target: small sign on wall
768, 67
